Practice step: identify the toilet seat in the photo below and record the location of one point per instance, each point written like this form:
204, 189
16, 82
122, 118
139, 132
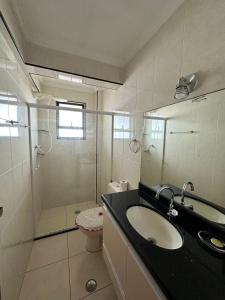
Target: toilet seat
91, 219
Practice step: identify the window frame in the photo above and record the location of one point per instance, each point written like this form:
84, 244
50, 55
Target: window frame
83, 106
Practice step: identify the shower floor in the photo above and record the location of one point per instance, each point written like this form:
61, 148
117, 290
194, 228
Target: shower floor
58, 219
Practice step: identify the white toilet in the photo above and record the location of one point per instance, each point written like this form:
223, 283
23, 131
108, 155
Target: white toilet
90, 222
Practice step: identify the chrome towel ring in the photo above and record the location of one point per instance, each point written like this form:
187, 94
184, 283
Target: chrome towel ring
135, 146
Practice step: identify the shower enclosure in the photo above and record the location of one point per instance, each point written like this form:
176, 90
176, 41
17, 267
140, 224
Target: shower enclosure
71, 157
71, 153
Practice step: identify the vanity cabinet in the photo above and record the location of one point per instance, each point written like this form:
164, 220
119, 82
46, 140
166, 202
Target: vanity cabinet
115, 253
136, 281
130, 277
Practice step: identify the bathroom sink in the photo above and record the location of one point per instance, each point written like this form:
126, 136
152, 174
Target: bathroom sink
154, 227
203, 209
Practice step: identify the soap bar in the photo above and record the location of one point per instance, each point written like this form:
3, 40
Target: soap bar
217, 243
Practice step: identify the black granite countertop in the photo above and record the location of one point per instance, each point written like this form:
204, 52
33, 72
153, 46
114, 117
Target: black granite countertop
191, 272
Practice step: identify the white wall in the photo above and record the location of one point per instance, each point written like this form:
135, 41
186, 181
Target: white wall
68, 172
16, 223
10, 17
104, 153
192, 40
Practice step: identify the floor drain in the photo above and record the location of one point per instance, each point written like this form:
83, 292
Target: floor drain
91, 285
77, 212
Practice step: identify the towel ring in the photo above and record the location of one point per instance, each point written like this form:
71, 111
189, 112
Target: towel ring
135, 146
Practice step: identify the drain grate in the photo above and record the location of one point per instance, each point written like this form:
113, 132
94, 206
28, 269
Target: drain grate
91, 285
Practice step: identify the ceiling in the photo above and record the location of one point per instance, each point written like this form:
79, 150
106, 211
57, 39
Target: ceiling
109, 31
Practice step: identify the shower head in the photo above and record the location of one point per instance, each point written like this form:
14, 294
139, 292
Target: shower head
185, 85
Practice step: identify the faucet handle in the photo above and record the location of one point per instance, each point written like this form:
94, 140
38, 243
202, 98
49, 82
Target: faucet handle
173, 213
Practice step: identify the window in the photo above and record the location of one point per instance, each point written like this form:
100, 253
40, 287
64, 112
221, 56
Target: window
157, 129
71, 78
8, 113
122, 127
70, 124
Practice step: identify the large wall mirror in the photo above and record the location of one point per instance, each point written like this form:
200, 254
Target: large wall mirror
186, 142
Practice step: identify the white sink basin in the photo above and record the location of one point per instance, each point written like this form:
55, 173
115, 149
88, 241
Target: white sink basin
203, 209
153, 227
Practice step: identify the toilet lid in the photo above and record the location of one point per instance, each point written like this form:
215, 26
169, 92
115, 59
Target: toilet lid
91, 219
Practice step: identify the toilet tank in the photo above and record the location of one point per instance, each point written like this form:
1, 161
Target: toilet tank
113, 187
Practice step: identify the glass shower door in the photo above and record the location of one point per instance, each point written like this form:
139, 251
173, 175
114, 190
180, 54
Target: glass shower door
64, 168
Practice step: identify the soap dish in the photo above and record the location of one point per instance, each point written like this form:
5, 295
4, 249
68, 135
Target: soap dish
213, 242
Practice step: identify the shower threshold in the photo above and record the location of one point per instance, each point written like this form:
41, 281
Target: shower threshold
60, 219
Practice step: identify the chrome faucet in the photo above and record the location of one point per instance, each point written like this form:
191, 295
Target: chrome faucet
172, 212
184, 188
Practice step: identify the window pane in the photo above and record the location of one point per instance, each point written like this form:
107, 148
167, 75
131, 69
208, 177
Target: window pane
126, 123
77, 106
8, 112
70, 118
121, 122
13, 112
71, 133
118, 135
4, 131
157, 129
14, 131
4, 113
121, 135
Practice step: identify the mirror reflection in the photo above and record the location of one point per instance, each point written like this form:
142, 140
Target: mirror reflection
185, 142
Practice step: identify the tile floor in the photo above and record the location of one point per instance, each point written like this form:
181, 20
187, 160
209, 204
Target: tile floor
59, 267
60, 218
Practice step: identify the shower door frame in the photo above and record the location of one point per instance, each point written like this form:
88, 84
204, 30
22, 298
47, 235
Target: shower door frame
57, 108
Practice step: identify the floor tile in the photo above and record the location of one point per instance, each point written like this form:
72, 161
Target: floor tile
10, 288
51, 220
76, 242
107, 293
60, 218
70, 222
50, 282
91, 204
53, 212
48, 227
48, 250
73, 210
84, 267
71, 213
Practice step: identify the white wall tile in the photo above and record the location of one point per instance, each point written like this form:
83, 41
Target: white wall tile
192, 40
